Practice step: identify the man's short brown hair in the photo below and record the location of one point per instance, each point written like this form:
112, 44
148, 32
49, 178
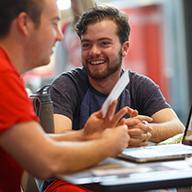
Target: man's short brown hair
100, 13
10, 9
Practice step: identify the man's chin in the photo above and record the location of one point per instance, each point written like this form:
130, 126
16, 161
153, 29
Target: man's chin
101, 75
97, 76
39, 65
45, 62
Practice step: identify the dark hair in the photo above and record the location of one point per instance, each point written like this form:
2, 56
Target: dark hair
10, 9
100, 13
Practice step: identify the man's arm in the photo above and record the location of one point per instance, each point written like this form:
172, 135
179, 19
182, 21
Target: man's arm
138, 131
165, 124
43, 157
63, 123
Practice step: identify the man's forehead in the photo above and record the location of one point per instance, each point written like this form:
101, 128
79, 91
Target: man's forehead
50, 9
98, 28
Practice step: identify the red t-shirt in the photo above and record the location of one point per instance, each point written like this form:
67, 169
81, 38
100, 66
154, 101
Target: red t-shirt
15, 107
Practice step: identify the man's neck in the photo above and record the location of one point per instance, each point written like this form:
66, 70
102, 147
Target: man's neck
14, 54
106, 85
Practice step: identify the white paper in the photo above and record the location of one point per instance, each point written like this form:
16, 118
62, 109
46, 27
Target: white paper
116, 91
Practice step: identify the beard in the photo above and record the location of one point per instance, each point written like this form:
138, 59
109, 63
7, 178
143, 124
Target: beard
112, 67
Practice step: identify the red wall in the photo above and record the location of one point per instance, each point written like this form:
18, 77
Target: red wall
146, 42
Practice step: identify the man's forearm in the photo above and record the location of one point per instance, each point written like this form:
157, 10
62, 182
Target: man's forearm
165, 130
80, 155
68, 136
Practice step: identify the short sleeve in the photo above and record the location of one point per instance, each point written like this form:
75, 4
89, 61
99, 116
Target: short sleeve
147, 96
64, 96
15, 105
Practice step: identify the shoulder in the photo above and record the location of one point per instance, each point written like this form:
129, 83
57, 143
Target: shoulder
137, 77
74, 80
77, 75
146, 94
139, 80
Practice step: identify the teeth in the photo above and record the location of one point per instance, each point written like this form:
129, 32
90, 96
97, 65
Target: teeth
96, 62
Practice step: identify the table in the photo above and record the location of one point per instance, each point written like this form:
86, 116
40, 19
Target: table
119, 175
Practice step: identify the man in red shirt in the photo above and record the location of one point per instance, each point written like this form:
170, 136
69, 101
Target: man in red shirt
28, 31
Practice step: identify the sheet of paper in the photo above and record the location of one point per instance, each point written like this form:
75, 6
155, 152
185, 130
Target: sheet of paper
116, 91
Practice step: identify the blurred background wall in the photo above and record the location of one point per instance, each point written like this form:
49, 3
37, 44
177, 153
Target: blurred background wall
160, 46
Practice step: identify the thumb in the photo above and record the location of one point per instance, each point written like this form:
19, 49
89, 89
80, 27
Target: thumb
98, 114
122, 122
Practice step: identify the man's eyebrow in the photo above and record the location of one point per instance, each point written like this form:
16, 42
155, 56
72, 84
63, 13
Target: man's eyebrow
105, 38
101, 39
84, 40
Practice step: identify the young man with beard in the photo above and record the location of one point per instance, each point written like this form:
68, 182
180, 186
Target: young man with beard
104, 34
28, 32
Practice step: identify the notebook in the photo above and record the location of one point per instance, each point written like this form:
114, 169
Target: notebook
163, 152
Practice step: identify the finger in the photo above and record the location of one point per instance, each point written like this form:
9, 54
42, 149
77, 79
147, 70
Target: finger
136, 143
111, 109
119, 115
122, 121
132, 112
136, 133
149, 135
146, 137
142, 144
144, 118
145, 127
131, 122
98, 114
139, 134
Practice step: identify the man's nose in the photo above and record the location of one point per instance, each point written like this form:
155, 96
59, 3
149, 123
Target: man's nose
60, 35
95, 50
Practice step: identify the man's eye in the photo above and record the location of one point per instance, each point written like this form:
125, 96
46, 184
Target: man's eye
105, 43
85, 45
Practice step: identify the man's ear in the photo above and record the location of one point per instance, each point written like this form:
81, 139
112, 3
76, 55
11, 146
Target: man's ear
24, 23
125, 48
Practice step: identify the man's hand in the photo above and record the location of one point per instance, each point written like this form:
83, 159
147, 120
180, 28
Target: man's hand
139, 130
116, 139
96, 123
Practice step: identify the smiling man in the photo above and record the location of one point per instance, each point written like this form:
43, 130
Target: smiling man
104, 34
28, 32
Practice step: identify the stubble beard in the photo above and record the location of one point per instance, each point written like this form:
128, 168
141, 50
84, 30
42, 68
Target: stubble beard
108, 72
